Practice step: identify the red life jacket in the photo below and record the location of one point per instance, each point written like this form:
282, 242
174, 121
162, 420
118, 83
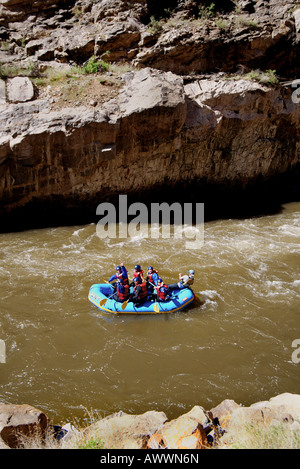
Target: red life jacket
137, 273
143, 290
120, 276
123, 296
161, 295
149, 276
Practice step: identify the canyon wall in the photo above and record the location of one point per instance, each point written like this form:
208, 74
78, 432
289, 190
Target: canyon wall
189, 117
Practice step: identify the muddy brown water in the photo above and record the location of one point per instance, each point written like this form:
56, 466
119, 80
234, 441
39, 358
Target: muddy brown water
66, 357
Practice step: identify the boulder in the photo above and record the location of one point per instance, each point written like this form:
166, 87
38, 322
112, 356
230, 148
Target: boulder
240, 423
124, 431
19, 422
283, 403
223, 411
148, 89
185, 432
19, 89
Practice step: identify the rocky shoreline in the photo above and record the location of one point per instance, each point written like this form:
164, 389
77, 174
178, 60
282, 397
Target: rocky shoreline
267, 424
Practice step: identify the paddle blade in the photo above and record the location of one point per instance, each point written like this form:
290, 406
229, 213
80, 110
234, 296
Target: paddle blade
124, 304
102, 302
156, 308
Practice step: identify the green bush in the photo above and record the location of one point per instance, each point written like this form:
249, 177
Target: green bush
91, 444
95, 66
154, 26
266, 78
206, 12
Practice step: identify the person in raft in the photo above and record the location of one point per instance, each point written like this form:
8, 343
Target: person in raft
161, 290
138, 273
122, 291
140, 292
152, 279
121, 274
184, 281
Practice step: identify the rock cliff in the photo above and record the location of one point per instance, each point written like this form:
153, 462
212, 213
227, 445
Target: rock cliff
208, 104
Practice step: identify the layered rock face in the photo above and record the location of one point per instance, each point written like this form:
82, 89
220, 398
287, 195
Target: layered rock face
192, 37
212, 133
157, 132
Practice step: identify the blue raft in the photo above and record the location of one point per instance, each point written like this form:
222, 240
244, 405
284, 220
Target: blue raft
177, 301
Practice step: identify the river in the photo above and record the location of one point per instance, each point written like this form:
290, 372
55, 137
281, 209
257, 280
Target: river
67, 358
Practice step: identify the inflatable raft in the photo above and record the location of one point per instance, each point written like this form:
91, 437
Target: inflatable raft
99, 295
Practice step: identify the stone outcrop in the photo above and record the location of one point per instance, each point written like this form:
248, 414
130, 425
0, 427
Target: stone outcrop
189, 431
159, 131
125, 431
221, 427
239, 421
181, 38
185, 117
224, 426
18, 423
257, 40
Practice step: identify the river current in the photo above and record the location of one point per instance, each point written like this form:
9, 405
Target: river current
66, 357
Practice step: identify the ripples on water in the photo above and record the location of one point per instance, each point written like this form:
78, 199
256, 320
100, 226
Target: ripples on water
63, 353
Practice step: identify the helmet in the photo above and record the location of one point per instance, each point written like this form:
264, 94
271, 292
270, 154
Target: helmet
137, 267
191, 272
136, 280
150, 268
159, 280
118, 268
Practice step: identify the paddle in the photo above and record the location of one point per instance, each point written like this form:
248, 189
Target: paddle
156, 307
102, 302
124, 304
